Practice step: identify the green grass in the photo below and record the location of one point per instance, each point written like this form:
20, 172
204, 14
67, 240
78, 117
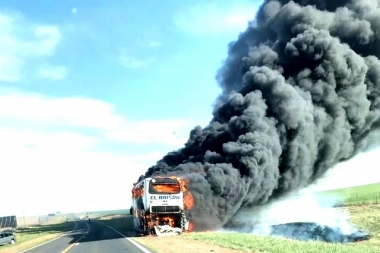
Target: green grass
365, 216
364, 194
250, 243
44, 229
357, 190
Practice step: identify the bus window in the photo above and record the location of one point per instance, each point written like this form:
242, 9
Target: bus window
164, 188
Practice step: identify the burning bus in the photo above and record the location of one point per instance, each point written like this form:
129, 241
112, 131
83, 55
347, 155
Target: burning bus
158, 206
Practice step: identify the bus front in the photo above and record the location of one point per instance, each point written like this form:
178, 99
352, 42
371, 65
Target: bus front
165, 195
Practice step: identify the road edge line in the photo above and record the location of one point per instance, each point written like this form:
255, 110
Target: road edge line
25, 250
145, 250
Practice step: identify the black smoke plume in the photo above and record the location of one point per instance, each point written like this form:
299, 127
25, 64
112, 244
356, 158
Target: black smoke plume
301, 93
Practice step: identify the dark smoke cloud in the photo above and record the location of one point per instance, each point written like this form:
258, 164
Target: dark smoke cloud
301, 93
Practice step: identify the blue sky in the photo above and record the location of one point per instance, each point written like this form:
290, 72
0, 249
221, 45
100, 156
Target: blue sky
92, 93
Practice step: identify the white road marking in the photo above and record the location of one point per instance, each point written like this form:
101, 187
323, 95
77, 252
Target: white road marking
129, 239
76, 224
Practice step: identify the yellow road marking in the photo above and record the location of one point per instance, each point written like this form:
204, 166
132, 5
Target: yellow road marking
75, 243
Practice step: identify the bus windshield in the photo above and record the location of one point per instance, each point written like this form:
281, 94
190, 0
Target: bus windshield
164, 188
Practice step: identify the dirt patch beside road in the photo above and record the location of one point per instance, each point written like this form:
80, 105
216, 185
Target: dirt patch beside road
175, 244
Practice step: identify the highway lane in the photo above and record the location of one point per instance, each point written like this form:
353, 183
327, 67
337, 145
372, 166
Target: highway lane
102, 238
91, 237
61, 243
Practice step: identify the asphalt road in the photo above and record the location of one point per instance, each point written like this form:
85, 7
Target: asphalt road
90, 238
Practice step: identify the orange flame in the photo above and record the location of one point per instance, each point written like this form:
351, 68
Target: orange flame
167, 188
187, 196
189, 200
171, 221
137, 192
191, 226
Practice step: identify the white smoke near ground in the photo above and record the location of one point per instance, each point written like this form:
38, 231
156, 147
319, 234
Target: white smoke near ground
305, 215
304, 206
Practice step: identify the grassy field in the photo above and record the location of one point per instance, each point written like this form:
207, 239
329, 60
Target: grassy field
362, 189
30, 236
363, 214
364, 194
366, 217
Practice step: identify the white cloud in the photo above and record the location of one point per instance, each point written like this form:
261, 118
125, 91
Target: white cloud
37, 109
21, 41
52, 72
215, 18
130, 62
44, 112
37, 142
49, 147
63, 172
158, 131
